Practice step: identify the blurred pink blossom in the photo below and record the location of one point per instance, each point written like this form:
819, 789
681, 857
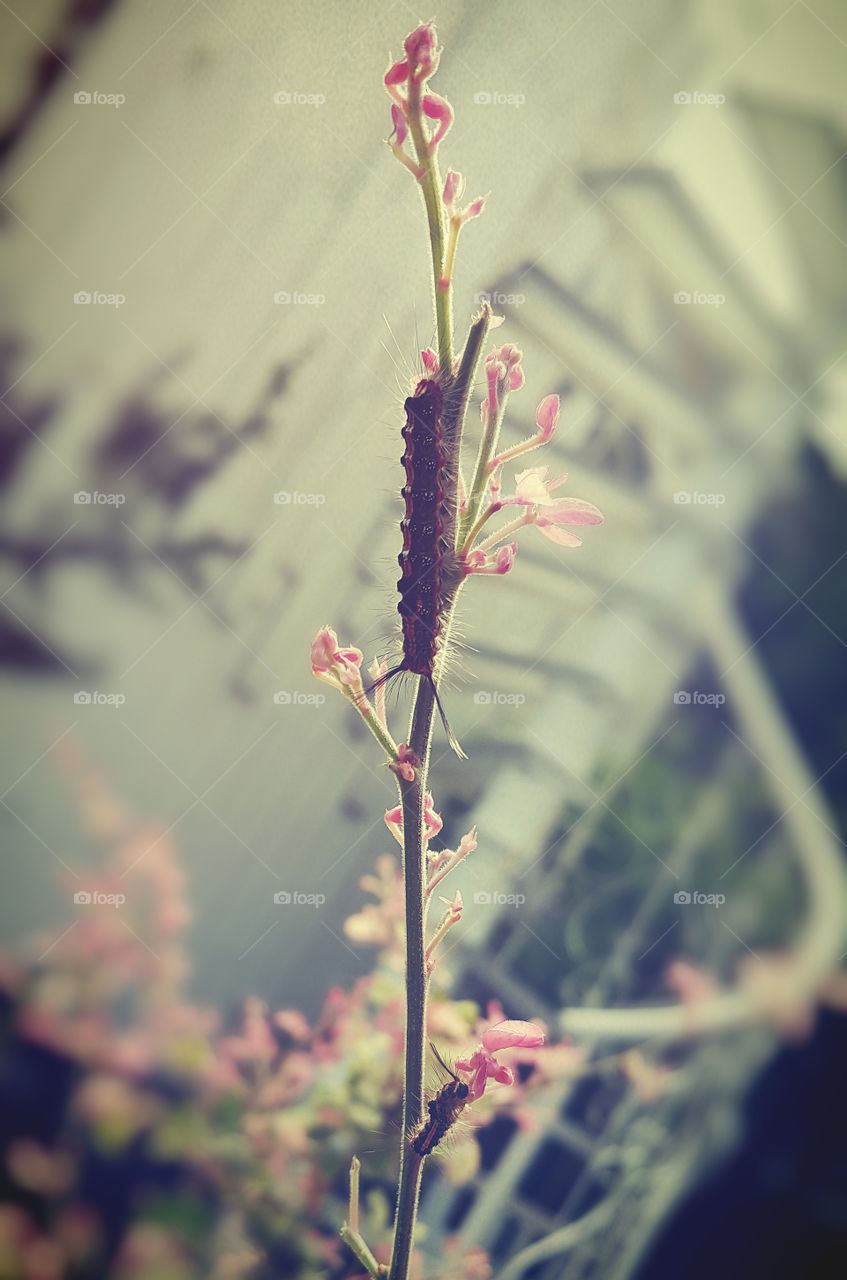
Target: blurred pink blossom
482, 1065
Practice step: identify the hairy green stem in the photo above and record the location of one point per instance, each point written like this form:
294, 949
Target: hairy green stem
487, 448
357, 1245
430, 183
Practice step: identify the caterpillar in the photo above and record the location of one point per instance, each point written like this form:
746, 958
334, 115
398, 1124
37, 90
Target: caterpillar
443, 1109
425, 555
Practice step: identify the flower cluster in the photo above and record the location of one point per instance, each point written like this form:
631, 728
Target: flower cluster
412, 103
534, 489
256, 1116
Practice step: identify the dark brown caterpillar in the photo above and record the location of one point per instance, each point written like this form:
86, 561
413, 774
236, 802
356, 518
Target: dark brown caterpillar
443, 1109
422, 560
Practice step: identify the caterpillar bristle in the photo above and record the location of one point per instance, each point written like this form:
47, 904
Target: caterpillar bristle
455, 745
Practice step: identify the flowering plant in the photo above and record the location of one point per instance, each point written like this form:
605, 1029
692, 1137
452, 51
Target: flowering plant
466, 543
153, 1138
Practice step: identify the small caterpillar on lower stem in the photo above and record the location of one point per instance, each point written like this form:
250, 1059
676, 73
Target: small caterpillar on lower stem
444, 1109
425, 554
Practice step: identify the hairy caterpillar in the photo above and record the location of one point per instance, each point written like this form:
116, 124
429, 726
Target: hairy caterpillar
443, 1109
425, 555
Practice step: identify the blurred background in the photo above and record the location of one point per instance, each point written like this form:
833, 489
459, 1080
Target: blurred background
215, 289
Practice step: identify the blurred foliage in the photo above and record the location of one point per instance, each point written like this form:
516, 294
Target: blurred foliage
144, 1136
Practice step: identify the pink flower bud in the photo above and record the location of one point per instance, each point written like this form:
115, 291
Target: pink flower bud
406, 763
421, 52
509, 358
455, 907
398, 120
437, 108
394, 822
433, 821
474, 209
505, 557
494, 372
546, 418
429, 360
467, 844
454, 185
396, 74
332, 663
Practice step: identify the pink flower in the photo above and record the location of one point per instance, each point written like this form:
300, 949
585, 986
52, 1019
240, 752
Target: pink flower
504, 557
501, 562
420, 47
294, 1024
433, 821
396, 74
568, 511
454, 907
430, 361
504, 373
533, 489
474, 209
442, 863
398, 120
482, 1065
546, 418
510, 356
454, 186
332, 663
512, 1033
405, 764
420, 63
437, 108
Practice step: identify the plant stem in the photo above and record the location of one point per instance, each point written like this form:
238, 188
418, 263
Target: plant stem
454, 418
430, 183
370, 718
487, 447
414, 874
414, 847
357, 1245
